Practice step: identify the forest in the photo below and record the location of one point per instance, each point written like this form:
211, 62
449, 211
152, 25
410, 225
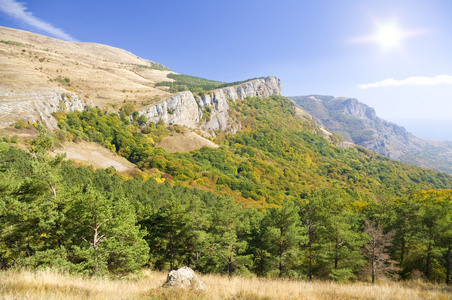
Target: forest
194, 84
275, 199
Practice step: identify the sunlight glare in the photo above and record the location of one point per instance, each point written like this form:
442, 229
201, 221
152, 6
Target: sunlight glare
389, 36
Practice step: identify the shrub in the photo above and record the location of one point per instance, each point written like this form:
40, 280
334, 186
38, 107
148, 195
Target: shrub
21, 124
342, 275
142, 120
127, 110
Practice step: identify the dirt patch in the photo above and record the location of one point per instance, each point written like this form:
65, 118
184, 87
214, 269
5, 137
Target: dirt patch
86, 153
185, 142
95, 155
302, 114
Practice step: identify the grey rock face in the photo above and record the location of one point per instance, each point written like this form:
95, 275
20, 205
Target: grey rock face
182, 278
37, 106
180, 109
187, 110
358, 124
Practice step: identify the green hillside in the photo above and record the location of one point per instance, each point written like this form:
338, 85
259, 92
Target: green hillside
275, 199
273, 157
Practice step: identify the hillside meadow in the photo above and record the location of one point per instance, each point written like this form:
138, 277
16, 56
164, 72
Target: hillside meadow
46, 284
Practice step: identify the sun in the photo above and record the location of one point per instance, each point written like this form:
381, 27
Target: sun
389, 36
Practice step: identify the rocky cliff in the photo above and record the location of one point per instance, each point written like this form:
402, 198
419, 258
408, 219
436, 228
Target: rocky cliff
210, 111
37, 106
42, 75
359, 124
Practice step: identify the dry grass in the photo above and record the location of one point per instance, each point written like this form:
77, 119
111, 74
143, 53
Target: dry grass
185, 142
52, 285
100, 74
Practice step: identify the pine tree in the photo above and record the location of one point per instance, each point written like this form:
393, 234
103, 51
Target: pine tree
172, 233
225, 241
104, 234
284, 233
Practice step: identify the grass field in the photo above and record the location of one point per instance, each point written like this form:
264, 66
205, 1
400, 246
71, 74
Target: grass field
52, 285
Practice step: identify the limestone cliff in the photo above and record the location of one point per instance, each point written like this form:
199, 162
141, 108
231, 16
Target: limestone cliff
210, 111
42, 75
37, 106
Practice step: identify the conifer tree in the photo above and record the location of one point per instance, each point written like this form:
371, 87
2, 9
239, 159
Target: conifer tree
225, 241
284, 234
104, 234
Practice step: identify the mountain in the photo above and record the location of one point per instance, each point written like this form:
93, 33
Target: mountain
42, 75
359, 124
194, 156
131, 105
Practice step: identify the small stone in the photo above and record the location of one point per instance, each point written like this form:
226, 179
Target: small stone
184, 277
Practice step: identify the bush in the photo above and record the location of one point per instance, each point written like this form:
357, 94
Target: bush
342, 275
127, 109
142, 120
21, 124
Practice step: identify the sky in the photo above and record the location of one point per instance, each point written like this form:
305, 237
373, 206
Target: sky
395, 56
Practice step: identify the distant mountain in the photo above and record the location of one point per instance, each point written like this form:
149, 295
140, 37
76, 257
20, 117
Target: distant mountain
359, 124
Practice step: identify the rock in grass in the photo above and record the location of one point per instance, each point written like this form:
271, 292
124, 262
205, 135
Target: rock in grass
184, 277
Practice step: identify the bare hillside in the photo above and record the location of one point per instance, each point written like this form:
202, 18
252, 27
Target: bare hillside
37, 70
95, 155
185, 142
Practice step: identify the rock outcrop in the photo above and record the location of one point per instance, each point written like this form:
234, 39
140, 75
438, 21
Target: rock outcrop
210, 111
183, 278
42, 75
37, 106
38, 71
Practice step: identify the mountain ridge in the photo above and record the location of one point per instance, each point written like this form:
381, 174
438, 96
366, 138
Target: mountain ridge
358, 123
41, 77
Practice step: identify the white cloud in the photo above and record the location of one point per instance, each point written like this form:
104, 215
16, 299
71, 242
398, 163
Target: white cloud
18, 11
418, 80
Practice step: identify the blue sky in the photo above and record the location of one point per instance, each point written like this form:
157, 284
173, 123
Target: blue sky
325, 47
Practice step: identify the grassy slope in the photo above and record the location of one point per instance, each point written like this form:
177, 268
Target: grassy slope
194, 84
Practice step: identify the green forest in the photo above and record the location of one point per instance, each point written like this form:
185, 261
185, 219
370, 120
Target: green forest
194, 84
275, 199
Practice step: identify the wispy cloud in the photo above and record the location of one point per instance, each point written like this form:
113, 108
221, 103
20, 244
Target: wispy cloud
417, 80
18, 10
